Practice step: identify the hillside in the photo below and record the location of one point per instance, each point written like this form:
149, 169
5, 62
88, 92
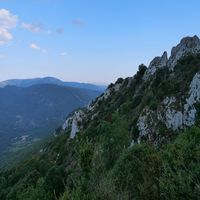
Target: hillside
32, 113
139, 140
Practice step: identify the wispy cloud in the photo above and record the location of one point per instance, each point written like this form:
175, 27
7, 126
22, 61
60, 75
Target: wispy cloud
77, 22
35, 28
34, 46
60, 30
5, 36
7, 21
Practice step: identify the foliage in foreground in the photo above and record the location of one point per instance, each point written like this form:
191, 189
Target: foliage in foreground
140, 172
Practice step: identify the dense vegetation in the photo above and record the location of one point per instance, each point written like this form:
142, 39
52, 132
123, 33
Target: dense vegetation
137, 172
104, 161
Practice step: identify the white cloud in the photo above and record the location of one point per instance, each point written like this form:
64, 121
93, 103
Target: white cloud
37, 47
64, 54
34, 46
36, 28
5, 36
7, 19
7, 22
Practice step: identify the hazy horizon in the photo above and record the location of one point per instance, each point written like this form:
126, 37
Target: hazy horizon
27, 78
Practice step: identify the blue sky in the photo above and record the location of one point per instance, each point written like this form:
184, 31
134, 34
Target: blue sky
89, 40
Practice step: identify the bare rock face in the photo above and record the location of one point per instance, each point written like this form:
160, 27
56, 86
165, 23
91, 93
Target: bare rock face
187, 46
169, 115
177, 119
77, 119
172, 118
189, 107
66, 123
74, 122
156, 63
147, 124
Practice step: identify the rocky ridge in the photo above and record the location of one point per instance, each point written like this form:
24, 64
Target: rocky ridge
167, 112
187, 46
75, 122
173, 118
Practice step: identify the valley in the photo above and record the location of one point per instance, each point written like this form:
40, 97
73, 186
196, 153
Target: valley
29, 114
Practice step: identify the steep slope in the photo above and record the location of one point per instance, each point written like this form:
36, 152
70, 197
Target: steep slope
139, 140
160, 98
50, 80
31, 113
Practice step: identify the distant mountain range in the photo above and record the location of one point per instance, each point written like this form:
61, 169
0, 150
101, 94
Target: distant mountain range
35, 109
50, 80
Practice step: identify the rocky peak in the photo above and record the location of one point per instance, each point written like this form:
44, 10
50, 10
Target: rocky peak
188, 45
156, 63
159, 61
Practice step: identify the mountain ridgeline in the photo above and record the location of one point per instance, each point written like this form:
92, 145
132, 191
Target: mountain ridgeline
139, 140
50, 80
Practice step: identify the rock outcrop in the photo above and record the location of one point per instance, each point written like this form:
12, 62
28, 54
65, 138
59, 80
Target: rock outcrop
74, 122
168, 114
194, 97
172, 113
187, 46
146, 123
156, 63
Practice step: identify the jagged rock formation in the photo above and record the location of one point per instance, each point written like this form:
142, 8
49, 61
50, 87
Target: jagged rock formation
173, 113
187, 46
156, 63
168, 114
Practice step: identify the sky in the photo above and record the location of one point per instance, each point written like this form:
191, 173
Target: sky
94, 41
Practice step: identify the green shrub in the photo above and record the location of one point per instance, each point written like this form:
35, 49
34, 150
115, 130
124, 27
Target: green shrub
181, 172
136, 173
